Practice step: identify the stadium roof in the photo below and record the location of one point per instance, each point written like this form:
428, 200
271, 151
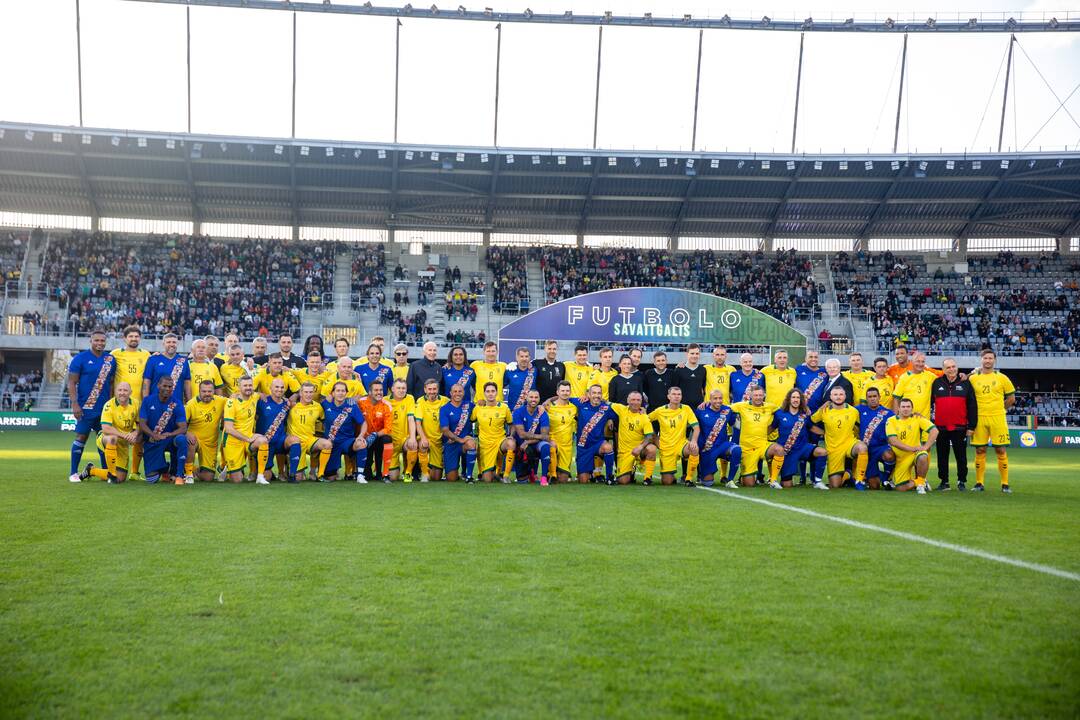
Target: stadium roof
112, 173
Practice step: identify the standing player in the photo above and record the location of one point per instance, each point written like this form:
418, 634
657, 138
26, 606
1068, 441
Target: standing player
400, 370
345, 374
562, 416
994, 394
492, 417
303, 435
593, 415
603, 375
859, 378
456, 426
313, 372
200, 367
341, 351
779, 378
275, 370
519, 380
204, 415
810, 378
342, 420
89, 385
271, 417
911, 436
690, 377
232, 370
130, 365
837, 420
429, 445
745, 378
213, 346
168, 362
258, 354
755, 423
164, 425
579, 372
549, 371
239, 424
290, 361
717, 421
882, 382
532, 434
489, 370
672, 422
718, 375
222, 357
458, 372
657, 381
792, 422
374, 371
635, 437
916, 385
626, 382
119, 432
402, 432
873, 419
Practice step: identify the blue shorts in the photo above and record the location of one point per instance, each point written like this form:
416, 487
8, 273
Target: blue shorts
710, 457
452, 454
875, 460
154, 461
794, 459
586, 457
341, 446
89, 421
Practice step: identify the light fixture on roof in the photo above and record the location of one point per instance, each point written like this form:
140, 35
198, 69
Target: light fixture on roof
460, 157
950, 164
611, 161
488, 11
278, 149
85, 139
850, 21
1004, 164
766, 21
305, 150
1, 133
434, 156
895, 165
586, 161
607, 16
868, 165
931, 22
461, 10
29, 134
972, 22
483, 157
741, 165
663, 162
1060, 162
637, 162
407, 8
1053, 23
726, 20
765, 164
790, 164
382, 153
689, 162
510, 159
434, 9
367, 5
648, 17
408, 154
329, 152
890, 23
687, 18
923, 165
170, 144
535, 159
116, 142
714, 163
976, 164
1011, 23
561, 159
568, 14
808, 23
843, 164
528, 13
1031, 163
357, 153
817, 164
223, 147
58, 137
250, 148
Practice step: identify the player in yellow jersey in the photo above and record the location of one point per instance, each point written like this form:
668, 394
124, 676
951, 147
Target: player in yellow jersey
130, 364
837, 420
911, 437
402, 432
994, 393
239, 423
882, 382
314, 373
302, 437
401, 362
635, 439
119, 433
429, 431
347, 375
489, 370
858, 377
718, 375
232, 370
779, 378
204, 412
275, 368
672, 422
562, 415
201, 368
755, 422
230, 340
602, 375
917, 385
579, 373
492, 417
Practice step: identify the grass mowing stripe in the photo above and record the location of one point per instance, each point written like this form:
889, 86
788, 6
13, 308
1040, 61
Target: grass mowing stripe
1045, 569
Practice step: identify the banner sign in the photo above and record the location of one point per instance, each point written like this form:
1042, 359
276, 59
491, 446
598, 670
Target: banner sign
1045, 438
665, 316
36, 421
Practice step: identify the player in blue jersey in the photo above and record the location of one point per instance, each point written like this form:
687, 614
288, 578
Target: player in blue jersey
163, 423
744, 378
374, 371
457, 371
168, 363
792, 423
594, 414
873, 417
519, 380
811, 378
343, 426
532, 432
89, 385
716, 422
271, 414
457, 433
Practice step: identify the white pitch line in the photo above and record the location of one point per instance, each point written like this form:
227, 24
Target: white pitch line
1045, 569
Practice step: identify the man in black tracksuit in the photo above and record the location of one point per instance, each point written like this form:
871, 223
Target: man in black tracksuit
626, 382
955, 412
549, 371
657, 381
690, 377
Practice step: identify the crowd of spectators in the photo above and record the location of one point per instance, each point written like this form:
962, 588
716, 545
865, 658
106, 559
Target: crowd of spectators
13, 246
410, 329
466, 338
181, 284
20, 390
368, 272
509, 281
1055, 408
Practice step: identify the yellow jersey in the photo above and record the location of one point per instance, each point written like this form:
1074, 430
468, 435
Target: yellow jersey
602, 378
884, 387
125, 418
230, 377
331, 367
672, 426
718, 378
777, 383
754, 423
403, 409
839, 424
303, 419
427, 412
579, 377
264, 379
911, 431
241, 413
633, 427
491, 421
488, 372
563, 420
859, 382
917, 388
204, 419
203, 371
400, 372
356, 388
301, 375
130, 365
991, 389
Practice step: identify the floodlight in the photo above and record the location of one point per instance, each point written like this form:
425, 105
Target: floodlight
1031, 163
817, 164
305, 150
535, 159
923, 165
329, 152
931, 22
714, 163
765, 164
790, 164
488, 11
637, 162
868, 165
86, 140
843, 164
561, 159
382, 154
687, 18
434, 9
568, 14
460, 157
407, 8
648, 17
976, 164
689, 162
586, 161
808, 23
742, 164
765, 21
510, 159
29, 134
663, 162
461, 10
434, 156
611, 161
950, 164
223, 147
116, 141
59, 138
357, 153
408, 154
278, 149
895, 165
483, 157
607, 16
1053, 23
1004, 164
972, 22
726, 20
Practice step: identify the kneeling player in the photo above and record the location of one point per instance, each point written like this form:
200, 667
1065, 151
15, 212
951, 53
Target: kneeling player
204, 413
755, 424
911, 436
429, 444
240, 436
532, 430
635, 440
562, 414
164, 425
716, 421
593, 415
119, 433
302, 439
402, 432
873, 417
836, 420
455, 421
792, 422
492, 418
672, 422
341, 419
271, 414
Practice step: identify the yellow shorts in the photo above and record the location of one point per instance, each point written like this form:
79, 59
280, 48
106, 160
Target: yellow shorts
487, 456
838, 456
435, 460
669, 461
236, 454
991, 431
208, 453
563, 456
905, 466
399, 448
625, 463
751, 456
122, 451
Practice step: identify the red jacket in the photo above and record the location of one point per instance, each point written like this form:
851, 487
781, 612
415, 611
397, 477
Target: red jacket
954, 404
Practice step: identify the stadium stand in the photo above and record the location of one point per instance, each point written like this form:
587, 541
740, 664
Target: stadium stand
251, 286
369, 276
509, 284
1054, 408
19, 391
1014, 303
12, 252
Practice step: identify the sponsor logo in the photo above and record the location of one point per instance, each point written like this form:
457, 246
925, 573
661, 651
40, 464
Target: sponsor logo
651, 321
1067, 439
18, 422
1027, 439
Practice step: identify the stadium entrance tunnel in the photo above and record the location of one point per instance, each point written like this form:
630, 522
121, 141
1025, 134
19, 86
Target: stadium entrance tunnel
670, 317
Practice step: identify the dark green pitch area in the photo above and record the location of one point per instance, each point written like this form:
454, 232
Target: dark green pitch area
511, 601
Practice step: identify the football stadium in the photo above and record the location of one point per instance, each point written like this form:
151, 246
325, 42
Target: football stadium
639, 360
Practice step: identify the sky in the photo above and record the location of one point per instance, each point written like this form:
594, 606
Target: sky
134, 78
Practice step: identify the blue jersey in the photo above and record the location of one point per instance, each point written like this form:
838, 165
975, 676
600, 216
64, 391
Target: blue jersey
812, 383
516, 381
352, 418
788, 436
162, 416
270, 414
380, 373
95, 380
591, 421
740, 384
872, 426
466, 377
533, 423
456, 419
158, 366
715, 426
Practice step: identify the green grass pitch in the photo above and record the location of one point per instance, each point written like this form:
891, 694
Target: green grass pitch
500, 601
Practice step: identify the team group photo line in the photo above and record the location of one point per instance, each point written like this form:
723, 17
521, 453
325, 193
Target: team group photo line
232, 416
